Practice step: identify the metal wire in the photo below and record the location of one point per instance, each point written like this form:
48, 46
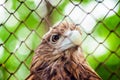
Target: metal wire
46, 21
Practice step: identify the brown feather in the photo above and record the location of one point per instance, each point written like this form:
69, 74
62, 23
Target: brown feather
67, 65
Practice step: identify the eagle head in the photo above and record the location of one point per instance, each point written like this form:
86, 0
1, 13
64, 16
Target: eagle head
60, 37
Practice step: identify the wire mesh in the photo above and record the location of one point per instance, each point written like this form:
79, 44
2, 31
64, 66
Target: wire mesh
24, 22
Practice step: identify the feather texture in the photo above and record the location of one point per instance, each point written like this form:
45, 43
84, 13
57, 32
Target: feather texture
68, 64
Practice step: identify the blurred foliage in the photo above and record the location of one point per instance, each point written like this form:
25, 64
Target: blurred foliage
24, 26
108, 29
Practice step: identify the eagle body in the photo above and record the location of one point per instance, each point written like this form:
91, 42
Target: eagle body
59, 56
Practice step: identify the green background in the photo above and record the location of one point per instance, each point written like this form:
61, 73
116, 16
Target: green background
26, 21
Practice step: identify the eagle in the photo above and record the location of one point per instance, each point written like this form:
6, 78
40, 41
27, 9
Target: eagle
59, 56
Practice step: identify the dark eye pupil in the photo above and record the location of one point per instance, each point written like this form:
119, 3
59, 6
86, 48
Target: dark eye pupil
55, 37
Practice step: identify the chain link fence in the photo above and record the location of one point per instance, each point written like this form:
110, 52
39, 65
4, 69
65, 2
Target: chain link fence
24, 22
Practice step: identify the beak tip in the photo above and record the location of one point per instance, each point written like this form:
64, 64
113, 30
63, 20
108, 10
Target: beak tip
76, 37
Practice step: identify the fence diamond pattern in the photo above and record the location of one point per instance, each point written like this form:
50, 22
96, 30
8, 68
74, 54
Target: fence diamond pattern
24, 22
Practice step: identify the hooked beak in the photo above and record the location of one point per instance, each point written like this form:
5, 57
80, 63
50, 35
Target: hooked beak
71, 39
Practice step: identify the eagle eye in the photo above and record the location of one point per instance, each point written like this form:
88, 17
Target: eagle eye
54, 38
